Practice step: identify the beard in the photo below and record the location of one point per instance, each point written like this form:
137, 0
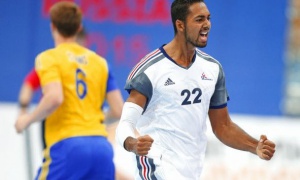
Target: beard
195, 42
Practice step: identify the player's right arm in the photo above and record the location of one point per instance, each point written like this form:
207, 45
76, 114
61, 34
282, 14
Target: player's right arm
25, 97
49, 76
30, 84
125, 133
52, 99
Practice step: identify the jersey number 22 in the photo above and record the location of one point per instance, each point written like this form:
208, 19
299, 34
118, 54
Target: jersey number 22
187, 93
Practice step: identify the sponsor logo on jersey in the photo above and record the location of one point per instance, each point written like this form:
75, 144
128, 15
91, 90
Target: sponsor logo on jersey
203, 77
169, 82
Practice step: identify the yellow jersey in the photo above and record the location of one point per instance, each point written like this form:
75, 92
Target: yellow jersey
83, 75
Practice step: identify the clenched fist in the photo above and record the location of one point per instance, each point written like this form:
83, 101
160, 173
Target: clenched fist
265, 148
139, 146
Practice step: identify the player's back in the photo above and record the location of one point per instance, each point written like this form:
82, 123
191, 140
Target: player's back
83, 75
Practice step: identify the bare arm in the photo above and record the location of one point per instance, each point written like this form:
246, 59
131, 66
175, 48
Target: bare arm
25, 97
52, 98
232, 135
113, 115
137, 98
115, 102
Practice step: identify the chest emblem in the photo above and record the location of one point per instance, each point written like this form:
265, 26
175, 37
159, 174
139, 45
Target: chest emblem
204, 77
169, 82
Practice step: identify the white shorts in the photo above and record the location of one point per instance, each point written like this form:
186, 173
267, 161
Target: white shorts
163, 168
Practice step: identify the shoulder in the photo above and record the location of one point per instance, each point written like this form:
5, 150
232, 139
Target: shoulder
147, 61
152, 54
46, 53
93, 54
45, 57
151, 58
207, 57
100, 59
96, 61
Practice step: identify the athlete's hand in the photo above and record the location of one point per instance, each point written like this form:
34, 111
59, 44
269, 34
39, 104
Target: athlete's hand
265, 148
139, 146
22, 122
143, 145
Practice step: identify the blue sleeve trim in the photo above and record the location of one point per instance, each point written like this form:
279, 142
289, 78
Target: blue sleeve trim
111, 82
218, 107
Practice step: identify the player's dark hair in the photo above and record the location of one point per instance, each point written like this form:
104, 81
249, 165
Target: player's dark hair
66, 17
180, 10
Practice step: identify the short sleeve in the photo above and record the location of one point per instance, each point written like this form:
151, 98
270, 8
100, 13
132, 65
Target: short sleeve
220, 96
47, 69
32, 79
142, 84
111, 81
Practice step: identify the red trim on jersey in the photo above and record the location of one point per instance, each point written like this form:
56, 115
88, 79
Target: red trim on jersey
142, 159
142, 63
32, 79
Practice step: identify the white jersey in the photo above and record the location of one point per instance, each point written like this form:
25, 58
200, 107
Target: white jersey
178, 100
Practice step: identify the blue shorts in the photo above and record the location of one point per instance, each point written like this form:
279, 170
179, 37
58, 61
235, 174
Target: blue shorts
85, 157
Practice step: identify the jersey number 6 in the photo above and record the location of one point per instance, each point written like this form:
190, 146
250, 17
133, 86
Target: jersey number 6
81, 87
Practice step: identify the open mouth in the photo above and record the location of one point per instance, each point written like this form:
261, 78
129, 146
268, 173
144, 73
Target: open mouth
203, 36
204, 33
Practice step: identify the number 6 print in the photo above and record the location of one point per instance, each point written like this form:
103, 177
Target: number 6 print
81, 87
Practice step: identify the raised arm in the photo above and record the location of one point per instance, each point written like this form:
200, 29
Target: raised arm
233, 136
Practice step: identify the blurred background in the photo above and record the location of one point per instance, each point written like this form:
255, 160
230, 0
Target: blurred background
257, 43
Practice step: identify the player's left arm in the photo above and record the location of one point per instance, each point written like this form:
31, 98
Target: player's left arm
114, 98
115, 101
232, 135
52, 99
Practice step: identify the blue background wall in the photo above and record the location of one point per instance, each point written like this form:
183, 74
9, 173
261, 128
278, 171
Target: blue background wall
247, 37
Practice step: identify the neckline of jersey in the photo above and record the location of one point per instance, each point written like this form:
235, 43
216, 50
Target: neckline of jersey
171, 59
